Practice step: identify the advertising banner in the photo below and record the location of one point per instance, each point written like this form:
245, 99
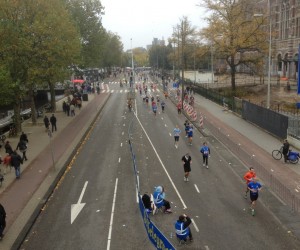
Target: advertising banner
155, 236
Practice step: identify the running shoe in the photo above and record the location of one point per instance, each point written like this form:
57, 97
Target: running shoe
207, 166
203, 164
187, 179
184, 179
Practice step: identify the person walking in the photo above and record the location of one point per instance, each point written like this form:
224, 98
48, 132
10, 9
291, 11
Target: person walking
285, 150
53, 123
46, 122
16, 162
2, 221
176, 133
248, 178
187, 161
6, 162
8, 148
23, 137
254, 186
22, 146
72, 109
183, 231
205, 151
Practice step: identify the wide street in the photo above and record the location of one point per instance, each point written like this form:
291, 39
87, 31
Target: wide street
95, 204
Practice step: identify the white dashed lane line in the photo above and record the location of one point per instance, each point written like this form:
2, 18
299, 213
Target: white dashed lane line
197, 189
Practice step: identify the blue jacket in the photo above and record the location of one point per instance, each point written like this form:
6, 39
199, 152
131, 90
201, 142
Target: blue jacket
158, 196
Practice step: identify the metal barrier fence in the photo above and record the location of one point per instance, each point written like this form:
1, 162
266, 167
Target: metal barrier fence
284, 192
274, 184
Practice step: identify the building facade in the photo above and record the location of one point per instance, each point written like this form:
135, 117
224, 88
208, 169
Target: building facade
285, 30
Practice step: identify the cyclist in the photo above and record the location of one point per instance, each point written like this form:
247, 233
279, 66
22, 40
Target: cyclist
254, 186
248, 177
285, 150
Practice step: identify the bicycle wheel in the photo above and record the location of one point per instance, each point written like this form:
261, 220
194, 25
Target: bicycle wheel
295, 160
277, 155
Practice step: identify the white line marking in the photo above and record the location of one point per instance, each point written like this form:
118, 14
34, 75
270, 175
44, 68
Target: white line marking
121, 144
135, 106
163, 166
195, 226
206, 247
119, 159
112, 91
123, 133
197, 188
170, 134
112, 215
297, 190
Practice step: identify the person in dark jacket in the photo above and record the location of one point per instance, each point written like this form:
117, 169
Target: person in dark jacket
16, 162
53, 123
183, 231
23, 137
285, 149
2, 221
22, 146
47, 123
8, 148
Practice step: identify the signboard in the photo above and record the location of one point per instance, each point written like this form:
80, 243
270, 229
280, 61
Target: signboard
156, 237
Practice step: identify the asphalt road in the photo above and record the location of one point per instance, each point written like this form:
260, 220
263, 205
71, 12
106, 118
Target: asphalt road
101, 176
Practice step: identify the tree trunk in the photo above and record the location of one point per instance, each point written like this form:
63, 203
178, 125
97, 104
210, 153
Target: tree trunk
52, 94
17, 117
233, 71
32, 105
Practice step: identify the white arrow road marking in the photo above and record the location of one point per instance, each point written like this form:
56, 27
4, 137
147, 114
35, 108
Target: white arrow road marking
76, 208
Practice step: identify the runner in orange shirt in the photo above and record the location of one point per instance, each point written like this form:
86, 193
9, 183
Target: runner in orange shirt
248, 177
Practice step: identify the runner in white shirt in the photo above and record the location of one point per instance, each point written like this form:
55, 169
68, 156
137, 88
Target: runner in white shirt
176, 133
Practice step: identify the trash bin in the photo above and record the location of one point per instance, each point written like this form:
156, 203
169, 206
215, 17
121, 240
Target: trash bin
85, 97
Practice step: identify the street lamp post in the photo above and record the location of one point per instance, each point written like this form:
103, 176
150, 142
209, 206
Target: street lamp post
269, 54
269, 59
132, 65
212, 63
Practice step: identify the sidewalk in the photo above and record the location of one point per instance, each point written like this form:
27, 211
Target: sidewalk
47, 160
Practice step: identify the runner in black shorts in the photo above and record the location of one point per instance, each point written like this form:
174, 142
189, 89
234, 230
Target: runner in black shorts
187, 160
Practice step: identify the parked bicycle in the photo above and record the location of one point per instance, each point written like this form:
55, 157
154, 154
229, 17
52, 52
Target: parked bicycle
293, 157
12, 131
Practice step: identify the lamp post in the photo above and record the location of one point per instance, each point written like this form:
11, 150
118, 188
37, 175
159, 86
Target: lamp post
269, 54
269, 59
212, 63
132, 65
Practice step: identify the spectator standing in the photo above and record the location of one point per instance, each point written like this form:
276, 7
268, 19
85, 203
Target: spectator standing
8, 148
46, 122
64, 107
68, 109
72, 109
53, 123
16, 162
205, 151
2, 221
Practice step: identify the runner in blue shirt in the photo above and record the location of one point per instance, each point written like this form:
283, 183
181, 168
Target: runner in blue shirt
254, 186
205, 150
190, 134
176, 133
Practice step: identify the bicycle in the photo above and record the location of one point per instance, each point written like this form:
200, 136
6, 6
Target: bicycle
293, 157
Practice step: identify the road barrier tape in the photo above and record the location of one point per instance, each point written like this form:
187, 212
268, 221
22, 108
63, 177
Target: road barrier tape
194, 116
201, 121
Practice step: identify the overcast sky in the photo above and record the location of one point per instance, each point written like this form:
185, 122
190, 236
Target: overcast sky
142, 20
